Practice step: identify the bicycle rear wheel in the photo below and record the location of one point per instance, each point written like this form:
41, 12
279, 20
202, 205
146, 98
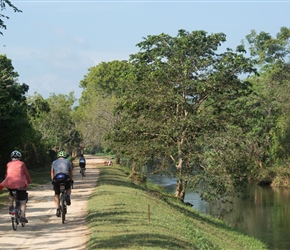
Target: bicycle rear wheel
63, 208
18, 216
14, 223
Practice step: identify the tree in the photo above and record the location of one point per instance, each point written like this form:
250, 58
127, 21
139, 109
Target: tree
269, 138
13, 118
53, 119
182, 98
3, 4
94, 116
267, 49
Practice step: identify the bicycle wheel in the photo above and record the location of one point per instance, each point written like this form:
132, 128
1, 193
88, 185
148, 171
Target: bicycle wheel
22, 223
63, 208
14, 223
18, 215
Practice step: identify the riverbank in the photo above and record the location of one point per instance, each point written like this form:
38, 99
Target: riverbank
126, 215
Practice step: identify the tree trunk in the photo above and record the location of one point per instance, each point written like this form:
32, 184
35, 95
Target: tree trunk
134, 167
118, 159
180, 189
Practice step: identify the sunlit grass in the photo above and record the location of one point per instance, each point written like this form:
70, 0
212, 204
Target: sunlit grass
125, 215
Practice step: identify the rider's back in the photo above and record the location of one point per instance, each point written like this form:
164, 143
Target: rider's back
61, 165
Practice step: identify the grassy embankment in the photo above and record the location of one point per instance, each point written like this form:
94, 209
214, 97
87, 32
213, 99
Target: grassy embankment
126, 215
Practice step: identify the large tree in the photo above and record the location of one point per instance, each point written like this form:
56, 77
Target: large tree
183, 107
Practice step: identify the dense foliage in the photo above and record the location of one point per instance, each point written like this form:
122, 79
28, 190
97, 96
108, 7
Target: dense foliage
15, 130
203, 116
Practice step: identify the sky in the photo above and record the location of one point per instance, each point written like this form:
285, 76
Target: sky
52, 44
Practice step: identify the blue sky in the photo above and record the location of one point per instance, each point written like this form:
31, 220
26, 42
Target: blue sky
52, 44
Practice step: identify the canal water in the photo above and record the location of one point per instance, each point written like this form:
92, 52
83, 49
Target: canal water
265, 214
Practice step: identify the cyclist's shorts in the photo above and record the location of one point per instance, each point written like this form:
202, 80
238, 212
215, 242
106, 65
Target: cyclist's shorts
61, 179
56, 186
21, 194
82, 164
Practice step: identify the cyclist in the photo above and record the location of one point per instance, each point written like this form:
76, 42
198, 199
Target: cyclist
61, 171
17, 178
82, 163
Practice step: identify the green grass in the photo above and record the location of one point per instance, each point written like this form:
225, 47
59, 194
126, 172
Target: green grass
119, 218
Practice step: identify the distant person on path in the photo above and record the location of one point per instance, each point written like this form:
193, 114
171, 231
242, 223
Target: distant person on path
61, 166
82, 164
17, 178
110, 163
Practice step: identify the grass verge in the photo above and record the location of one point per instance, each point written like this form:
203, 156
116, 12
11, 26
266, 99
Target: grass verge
126, 215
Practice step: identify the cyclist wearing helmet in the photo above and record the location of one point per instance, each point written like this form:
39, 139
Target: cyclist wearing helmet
17, 178
82, 163
61, 172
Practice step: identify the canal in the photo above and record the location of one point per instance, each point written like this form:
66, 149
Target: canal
265, 214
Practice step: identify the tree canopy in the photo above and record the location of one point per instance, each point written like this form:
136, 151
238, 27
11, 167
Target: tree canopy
182, 95
13, 118
95, 115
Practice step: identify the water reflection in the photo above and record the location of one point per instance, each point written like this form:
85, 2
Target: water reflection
263, 215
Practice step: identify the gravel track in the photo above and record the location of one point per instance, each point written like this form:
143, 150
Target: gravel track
45, 230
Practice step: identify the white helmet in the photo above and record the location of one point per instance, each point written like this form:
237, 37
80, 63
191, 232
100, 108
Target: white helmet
15, 154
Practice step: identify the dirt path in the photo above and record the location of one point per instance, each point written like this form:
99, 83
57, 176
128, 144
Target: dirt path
45, 230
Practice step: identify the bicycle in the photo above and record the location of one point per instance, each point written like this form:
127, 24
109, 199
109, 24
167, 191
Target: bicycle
82, 171
15, 211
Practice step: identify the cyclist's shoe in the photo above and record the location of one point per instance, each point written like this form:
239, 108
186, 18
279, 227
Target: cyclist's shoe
57, 212
23, 220
68, 201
